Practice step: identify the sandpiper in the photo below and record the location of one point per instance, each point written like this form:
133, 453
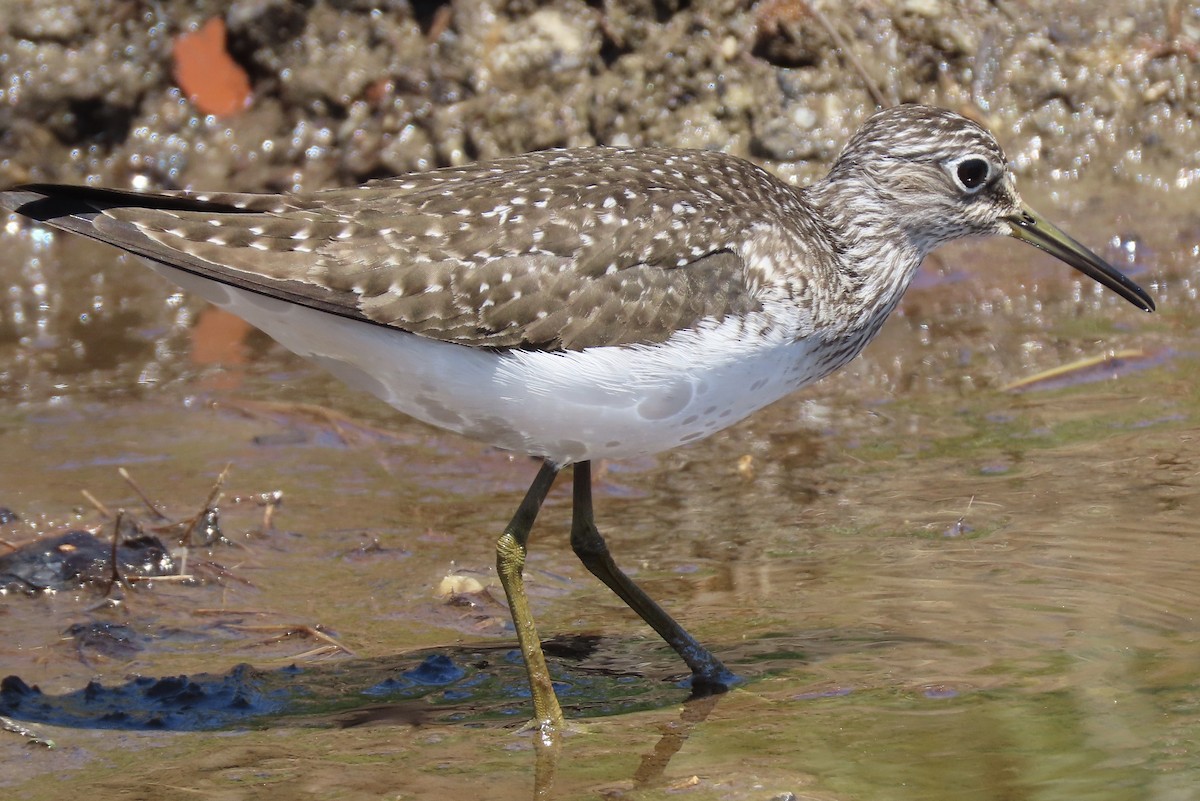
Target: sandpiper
586, 303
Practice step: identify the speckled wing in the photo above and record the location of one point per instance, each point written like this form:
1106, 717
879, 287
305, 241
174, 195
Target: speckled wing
94, 213
556, 250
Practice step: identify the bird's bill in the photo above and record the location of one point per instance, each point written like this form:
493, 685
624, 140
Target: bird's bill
1029, 226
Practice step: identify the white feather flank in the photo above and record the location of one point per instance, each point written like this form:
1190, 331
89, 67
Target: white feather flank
608, 402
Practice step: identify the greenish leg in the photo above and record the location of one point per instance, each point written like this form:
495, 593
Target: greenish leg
510, 562
708, 674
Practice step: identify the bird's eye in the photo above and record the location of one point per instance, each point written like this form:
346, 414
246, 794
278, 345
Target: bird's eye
972, 173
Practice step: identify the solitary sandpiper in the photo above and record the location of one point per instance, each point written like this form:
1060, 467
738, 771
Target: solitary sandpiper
588, 303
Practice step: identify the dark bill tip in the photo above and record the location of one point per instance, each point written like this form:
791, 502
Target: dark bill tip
1029, 226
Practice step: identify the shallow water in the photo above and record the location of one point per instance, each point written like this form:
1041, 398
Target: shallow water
934, 588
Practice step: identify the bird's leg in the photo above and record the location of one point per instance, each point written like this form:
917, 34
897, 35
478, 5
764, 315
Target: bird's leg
510, 562
708, 674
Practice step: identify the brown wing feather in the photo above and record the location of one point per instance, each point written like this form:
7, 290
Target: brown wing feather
561, 250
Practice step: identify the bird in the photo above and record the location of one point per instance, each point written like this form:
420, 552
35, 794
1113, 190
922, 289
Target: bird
585, 303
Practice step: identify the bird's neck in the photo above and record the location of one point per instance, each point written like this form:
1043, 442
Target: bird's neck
877, 257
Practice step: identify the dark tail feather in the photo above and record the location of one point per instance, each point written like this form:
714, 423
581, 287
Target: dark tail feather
49, 203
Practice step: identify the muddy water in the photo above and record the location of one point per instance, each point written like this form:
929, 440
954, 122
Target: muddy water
935, 588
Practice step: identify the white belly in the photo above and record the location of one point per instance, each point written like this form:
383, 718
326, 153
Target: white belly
614, 402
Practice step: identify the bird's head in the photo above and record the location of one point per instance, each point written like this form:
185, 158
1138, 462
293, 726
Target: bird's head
936, 176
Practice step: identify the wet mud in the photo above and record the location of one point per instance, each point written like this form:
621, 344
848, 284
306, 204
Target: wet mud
953, 570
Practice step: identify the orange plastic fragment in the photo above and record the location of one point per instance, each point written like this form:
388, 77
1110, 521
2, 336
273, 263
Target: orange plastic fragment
207, 74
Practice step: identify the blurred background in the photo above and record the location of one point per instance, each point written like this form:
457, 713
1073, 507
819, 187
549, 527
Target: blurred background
962, 568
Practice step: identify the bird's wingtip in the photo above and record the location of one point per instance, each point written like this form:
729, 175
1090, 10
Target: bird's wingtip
17, 197
47, 202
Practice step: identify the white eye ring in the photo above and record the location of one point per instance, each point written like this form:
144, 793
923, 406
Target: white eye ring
971, 173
